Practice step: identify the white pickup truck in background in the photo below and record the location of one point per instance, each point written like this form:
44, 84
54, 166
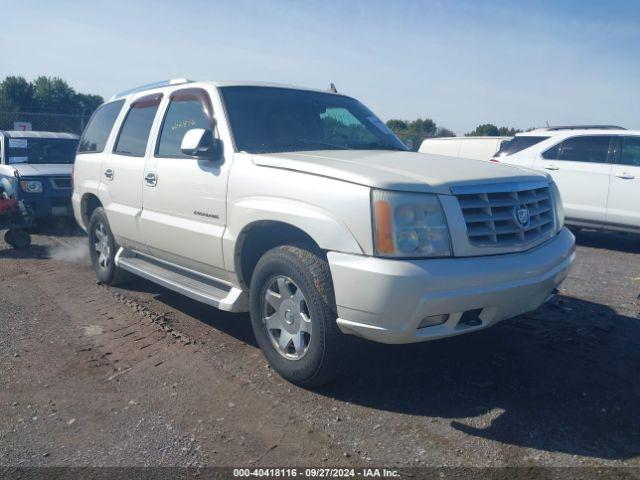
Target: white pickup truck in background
301, 207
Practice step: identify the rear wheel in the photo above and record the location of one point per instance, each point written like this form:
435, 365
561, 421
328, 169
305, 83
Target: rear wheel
103, 249
293, 315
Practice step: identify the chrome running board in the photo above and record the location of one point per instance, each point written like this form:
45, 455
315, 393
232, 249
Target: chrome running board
192, 284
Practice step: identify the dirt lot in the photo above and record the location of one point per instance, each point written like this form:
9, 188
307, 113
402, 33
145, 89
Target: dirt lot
93, 375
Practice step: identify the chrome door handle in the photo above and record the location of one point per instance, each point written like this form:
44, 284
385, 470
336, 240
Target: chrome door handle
625, 176
108, 173
151, 179
551, 166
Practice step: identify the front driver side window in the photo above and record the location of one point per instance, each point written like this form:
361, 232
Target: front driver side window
588, 148
188, 109
630, 154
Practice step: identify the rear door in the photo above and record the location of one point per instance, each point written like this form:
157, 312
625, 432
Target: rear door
122, 171
92, 151
184, 197
579, 167
623, 207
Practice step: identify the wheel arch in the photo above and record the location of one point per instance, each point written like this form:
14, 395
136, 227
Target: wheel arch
261, 236
88, 204
280, 221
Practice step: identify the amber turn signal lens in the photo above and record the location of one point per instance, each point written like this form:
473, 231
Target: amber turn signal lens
384, 236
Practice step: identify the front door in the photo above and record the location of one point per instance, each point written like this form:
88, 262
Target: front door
623, 207
184, 198
579, 167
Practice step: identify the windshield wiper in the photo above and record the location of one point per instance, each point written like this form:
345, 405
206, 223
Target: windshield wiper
382, 146
320, 142
289, 146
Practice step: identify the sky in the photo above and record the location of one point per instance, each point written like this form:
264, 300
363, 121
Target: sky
462, 63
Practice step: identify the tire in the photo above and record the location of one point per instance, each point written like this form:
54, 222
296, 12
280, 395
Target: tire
298, 282
8, 237
103, 249
18, 238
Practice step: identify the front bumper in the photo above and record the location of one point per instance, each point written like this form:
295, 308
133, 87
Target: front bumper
385, 300
45, 207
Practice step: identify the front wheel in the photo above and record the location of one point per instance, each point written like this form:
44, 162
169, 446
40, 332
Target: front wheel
293, 315
18, 238
103, 249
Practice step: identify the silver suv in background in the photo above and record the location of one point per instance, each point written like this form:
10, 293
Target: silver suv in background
303, 208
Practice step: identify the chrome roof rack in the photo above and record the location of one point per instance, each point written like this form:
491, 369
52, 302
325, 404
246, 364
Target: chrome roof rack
149, 86
583, 127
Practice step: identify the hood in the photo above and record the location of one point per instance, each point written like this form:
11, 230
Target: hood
406, 171
37, 170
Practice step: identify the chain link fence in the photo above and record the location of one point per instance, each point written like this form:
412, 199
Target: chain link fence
43, 121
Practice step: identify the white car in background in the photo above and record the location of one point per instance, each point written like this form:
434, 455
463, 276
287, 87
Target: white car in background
596, 168
476, 148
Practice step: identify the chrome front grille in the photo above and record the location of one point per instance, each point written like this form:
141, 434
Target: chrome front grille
61, 183
508, 217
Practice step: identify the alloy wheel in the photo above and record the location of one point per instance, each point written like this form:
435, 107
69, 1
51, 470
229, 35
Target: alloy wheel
286, 317
101, 246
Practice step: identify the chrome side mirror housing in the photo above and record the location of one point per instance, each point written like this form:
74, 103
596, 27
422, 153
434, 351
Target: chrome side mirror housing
200, 143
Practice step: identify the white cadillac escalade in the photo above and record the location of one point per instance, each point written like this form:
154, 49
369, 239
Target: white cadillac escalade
301, 207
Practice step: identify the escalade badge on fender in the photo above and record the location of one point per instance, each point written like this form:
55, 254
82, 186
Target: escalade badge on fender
522, 216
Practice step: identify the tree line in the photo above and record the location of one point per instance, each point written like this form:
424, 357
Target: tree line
45, 95
413, 132
54, 95
48, 103
490, 130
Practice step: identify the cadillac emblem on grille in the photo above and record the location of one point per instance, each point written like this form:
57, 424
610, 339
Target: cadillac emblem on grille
522, 216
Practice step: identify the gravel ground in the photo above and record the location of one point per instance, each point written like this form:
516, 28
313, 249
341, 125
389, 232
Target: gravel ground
96, 376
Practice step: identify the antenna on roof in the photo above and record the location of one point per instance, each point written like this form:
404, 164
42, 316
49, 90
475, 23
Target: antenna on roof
332, 88
547, 123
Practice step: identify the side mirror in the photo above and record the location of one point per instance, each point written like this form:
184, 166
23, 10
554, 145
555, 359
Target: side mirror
200, 143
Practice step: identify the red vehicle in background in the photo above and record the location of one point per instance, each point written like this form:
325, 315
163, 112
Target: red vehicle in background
15, 218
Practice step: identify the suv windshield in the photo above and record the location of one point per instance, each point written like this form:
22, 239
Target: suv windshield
271, 119
517, 144
40, 150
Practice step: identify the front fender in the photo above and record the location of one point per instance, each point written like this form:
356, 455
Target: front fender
328, 231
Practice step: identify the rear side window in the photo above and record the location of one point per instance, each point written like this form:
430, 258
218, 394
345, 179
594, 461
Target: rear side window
517, 144
188, 109
588, 148
134, 133
630, 152
99, 127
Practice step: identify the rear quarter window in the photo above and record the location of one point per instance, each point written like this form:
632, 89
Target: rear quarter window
95, 135
517, 144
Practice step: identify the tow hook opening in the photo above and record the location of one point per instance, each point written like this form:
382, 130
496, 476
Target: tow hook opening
552, 295
471, 318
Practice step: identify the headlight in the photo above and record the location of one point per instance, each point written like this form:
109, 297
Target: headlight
557, 203
31, 186
409, 225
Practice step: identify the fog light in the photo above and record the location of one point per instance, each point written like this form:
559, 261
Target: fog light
433, 320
